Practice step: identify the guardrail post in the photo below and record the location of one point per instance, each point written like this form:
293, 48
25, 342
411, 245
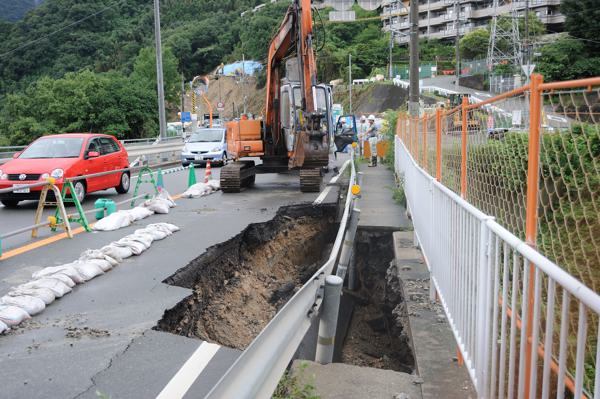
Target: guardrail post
347, 247
463, 155
328, 321
533, 180
438, 144
483, 309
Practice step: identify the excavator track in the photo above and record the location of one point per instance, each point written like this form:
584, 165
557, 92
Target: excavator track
237, 176
310, 180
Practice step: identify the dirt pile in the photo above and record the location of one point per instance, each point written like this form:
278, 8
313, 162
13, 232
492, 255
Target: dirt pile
376, 336
240, 285
230, 91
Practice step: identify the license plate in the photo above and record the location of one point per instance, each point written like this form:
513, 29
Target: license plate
199, 158
18, 190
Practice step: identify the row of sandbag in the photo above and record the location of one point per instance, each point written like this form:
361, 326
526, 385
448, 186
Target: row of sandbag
161, 203
202, 189
50, 283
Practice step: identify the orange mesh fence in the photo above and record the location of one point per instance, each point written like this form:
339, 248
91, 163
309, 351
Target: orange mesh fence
493, 175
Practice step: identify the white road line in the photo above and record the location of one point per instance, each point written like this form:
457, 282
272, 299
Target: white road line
187, 374
333, 180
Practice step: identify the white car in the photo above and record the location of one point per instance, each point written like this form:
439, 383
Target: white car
204, 145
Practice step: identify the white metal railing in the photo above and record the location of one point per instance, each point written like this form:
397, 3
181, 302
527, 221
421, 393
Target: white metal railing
487, 279
256, 373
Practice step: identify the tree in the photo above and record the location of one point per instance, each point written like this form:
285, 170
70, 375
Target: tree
567, 59
581, 22
144, 71
474, 45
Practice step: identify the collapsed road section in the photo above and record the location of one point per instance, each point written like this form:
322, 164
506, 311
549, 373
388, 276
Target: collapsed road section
240, 284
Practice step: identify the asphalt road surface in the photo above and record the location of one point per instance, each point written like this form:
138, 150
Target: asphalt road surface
99, 338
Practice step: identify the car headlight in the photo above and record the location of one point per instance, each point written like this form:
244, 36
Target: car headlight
44, 176
57, 173
3, 176
216, 149
185, 149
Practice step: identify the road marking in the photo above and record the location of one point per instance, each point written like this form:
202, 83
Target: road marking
38, 244
187, 374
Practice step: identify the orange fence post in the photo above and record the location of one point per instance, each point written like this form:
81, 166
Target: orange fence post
463, 155
425, 141
438, 144
531, 213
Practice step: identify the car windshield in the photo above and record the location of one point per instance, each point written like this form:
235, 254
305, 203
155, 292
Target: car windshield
53, 147
206, 136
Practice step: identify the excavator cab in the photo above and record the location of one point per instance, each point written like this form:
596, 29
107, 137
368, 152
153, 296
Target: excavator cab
290, 111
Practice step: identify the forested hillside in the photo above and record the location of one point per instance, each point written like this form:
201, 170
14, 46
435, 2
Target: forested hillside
13, 10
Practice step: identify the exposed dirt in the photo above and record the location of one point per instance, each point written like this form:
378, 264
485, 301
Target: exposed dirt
231, 93
376, 336
239, 285
77, 333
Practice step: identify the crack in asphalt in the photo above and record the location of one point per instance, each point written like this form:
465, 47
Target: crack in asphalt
108, 366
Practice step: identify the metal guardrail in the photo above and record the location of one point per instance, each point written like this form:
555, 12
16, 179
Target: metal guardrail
484, 276
256, 373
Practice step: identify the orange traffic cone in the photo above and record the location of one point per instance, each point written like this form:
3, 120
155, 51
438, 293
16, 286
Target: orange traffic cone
208, 172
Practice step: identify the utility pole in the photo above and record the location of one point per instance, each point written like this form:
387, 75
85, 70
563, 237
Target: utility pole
391, 42
182, 103
413, 96
350, 80
244, 81
526, 41
162, 117
457, 42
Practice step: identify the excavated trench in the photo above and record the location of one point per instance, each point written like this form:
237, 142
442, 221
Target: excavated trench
240, 284
373, 333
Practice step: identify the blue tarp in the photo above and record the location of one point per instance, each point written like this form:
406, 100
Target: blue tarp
235, 69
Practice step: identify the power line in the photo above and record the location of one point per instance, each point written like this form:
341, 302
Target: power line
60, 30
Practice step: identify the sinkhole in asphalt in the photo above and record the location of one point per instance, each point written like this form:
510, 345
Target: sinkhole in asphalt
373, 319
240, 284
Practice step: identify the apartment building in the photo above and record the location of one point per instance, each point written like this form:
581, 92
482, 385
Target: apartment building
437, 18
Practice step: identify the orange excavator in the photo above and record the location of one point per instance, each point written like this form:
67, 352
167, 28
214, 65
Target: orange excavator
295, 133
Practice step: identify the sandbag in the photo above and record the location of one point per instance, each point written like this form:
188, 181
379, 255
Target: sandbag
101, 263
66, 269
45, 294
117, 252
140, 212
30, 304
197, 190
3, 327
215, 184
172, 228
135, 247
114, 221
97, 254
64, 278
144, 238
156, 234
159, 227
58, 287
164, 195
88, 270
13, 315
158, 205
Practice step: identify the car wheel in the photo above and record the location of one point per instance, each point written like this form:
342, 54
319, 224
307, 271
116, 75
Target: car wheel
185, 165
79, 187
10, 203
125, 183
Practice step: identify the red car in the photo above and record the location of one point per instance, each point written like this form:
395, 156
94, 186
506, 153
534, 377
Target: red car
62, 156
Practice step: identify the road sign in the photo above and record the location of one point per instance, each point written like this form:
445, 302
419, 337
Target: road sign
528, 69
220, 106
186, 117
